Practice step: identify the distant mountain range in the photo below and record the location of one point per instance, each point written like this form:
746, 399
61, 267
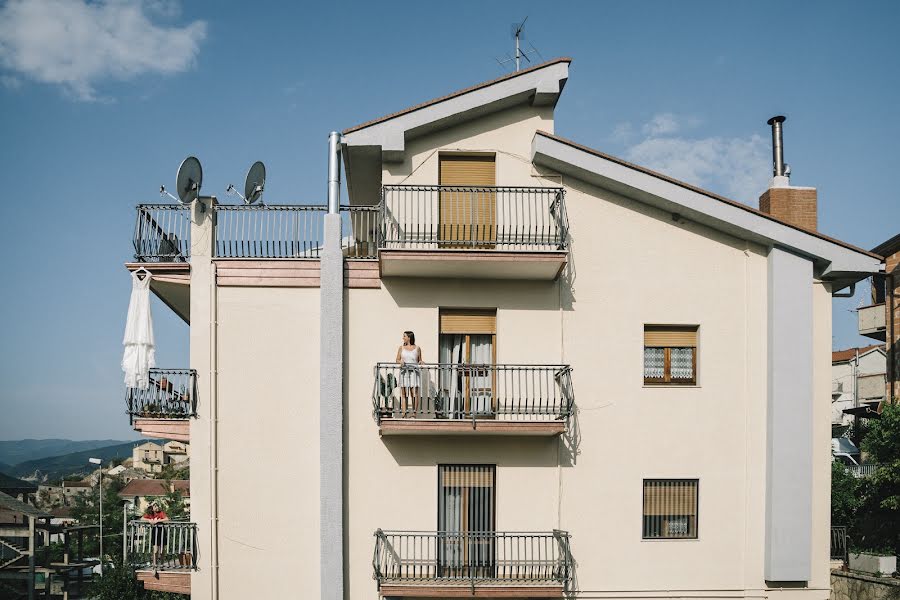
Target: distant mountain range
17, 451
42, 467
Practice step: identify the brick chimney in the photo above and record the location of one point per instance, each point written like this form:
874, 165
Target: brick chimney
796, 205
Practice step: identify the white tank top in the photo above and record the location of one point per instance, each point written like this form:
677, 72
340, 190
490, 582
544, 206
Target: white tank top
409, 357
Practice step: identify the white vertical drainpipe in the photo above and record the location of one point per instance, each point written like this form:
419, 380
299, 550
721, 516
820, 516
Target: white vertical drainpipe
214, 429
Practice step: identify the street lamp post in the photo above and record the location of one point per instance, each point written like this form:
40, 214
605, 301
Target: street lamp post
99, 463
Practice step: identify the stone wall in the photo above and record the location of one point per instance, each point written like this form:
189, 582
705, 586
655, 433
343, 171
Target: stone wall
853, 586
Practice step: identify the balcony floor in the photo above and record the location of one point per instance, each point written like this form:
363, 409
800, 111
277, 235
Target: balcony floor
472, 264
469, 427
425, 590
178, 582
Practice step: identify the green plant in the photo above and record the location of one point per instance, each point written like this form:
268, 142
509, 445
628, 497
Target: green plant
386, 386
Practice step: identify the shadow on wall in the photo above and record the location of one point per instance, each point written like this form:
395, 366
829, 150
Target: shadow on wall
421, 451
464, 293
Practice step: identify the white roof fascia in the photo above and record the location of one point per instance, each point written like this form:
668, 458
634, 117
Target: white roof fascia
542, 86
832, 260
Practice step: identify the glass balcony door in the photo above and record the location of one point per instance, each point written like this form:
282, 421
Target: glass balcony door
467, 379
466, 521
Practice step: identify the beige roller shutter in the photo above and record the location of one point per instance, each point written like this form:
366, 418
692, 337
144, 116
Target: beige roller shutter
468, 215
469, 321
670, 336
667, 497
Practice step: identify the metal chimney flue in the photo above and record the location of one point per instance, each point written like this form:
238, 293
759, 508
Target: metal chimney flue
778, 168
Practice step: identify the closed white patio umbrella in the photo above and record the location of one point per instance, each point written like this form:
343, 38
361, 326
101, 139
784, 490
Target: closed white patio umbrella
140, 348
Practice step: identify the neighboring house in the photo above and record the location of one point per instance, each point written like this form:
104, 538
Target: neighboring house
857, 376
151, 457
71, 489
566, 302
142, 492
881, 319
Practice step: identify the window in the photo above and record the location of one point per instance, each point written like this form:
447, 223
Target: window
670, 354
466, 505
468, 208
467, 351
670, 509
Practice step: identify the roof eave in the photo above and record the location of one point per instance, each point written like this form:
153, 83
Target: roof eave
834, 260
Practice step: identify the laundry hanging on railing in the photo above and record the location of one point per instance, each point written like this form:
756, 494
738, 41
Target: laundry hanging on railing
140, 348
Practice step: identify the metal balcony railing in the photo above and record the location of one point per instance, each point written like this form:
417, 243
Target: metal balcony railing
291, 231
860, 471
473, 391
472, 558
171, 394
162, 233
452, 217
838, 542
166, 546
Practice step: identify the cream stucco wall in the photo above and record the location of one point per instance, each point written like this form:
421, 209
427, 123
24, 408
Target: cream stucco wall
630, 265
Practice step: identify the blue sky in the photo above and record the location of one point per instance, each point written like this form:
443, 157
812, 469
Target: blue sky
100, 101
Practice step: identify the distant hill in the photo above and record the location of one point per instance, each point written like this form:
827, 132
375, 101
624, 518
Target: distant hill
18, 451
56, 467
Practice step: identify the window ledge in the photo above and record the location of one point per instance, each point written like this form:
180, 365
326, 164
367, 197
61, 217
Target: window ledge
669, 386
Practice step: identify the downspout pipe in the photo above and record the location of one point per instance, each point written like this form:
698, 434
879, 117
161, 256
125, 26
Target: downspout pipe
334, 173
331, 388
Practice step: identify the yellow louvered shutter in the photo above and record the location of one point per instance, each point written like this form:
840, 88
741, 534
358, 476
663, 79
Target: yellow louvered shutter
469, 321
670, 336
468, 216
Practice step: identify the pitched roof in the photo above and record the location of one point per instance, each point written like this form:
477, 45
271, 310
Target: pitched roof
888, 247
707, 193
9, 483
77, 484
850, 353
154, 487
17, 506
433, 101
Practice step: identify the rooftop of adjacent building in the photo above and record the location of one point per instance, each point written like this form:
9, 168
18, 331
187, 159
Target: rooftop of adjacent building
155, 487
839, 356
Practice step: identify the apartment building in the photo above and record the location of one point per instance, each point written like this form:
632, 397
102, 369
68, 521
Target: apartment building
621, 388
858, 382
880, 320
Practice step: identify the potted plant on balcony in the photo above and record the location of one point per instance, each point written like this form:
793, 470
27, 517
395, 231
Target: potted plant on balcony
386, 387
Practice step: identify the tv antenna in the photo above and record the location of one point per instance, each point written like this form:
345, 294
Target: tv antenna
516, 30
187, 181
253, 185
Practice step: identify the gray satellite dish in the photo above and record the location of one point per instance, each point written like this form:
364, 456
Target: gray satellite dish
189, 180
256, 182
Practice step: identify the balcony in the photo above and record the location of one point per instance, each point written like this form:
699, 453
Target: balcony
871, 321
472, 399
164, 408
162, 245
164, 554
473, 232
478, 564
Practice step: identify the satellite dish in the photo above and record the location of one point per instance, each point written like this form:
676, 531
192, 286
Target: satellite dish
256, 182
189, 180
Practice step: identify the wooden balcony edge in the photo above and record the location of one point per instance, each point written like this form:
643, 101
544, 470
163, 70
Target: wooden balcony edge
461, 590
469, 427
171, 429
178, 582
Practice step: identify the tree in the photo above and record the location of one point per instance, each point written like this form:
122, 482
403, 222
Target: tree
173, 503
845, 498
85, 509
878, 518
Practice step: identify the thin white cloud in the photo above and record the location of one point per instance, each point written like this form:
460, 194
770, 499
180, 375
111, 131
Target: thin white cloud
738, 167
78, 44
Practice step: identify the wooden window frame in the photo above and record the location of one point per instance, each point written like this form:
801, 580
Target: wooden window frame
696, 515
667, 378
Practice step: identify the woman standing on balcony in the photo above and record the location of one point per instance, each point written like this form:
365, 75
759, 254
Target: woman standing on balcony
155, 517
410, 357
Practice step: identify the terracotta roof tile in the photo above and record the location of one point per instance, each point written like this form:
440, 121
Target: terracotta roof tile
845, 355
154, 487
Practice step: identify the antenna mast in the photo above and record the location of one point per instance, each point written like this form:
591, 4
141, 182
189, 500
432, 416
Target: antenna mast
520, 54
518, 33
